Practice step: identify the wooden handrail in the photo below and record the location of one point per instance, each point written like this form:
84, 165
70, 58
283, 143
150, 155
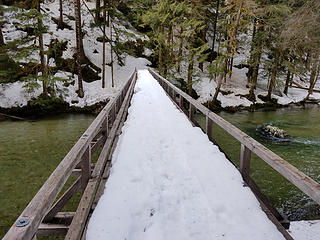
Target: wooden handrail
305, 183
41, 203
79, 221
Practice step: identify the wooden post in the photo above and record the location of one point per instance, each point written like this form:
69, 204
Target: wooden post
122, 96
85, 168
116, 106
105, 127
113, 114
180, 101
209, 127
245, 159
191, 111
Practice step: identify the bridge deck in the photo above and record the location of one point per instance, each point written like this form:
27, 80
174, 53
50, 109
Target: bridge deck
168, 181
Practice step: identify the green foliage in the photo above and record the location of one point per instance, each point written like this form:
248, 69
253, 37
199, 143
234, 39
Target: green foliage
133, 48
43, 105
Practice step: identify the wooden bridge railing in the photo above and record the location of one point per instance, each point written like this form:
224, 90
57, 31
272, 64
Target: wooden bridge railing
248, 146
42, 216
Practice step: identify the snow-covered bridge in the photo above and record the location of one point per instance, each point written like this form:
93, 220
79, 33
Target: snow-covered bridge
158, 176
168, 181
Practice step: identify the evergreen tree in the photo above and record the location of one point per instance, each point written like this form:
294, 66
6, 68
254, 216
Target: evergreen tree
301, 35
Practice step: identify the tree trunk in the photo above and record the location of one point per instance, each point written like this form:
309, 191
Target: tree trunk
111, 53
233, 38
161, 52
215, 27
44, 68
1, 36
60, 22
190, 72
314, 66
288, 79
180, 49
255, 62
104, 44
109, 6
215, 96
253, 45
273, 73
169, 49
80, 58
203, 34
97, 16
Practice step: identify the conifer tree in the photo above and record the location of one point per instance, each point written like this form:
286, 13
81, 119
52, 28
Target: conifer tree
273, 23
301, 35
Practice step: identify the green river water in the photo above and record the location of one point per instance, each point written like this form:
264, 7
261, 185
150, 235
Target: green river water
30, 151
303, 152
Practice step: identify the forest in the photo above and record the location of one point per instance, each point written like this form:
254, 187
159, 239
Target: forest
274, 43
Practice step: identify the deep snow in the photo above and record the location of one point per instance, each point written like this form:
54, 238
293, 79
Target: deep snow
168, 181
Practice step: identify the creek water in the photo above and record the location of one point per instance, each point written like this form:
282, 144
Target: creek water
303, 152
29, 152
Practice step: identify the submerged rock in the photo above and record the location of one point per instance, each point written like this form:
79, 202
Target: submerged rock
274, 133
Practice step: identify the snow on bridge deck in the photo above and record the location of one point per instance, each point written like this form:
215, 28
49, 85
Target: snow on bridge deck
168, 181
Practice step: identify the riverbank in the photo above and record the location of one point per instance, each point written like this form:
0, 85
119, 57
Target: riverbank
37, 107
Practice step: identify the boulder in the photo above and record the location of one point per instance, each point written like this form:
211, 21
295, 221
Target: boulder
273, 133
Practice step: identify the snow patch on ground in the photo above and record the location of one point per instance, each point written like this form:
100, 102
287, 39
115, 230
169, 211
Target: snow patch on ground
305, 230
168, 181
15, 95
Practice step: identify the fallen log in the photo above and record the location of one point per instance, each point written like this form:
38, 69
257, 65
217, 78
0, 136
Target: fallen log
13, 117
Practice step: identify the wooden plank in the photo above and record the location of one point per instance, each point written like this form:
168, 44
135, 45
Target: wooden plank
80, 219
296, 177
263, 198
76, 172
63, 217
85, 168
100, 141
106, 172
191, 111
50, 229
272, 218
180, 101
245, 159
40, 204
62, 201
